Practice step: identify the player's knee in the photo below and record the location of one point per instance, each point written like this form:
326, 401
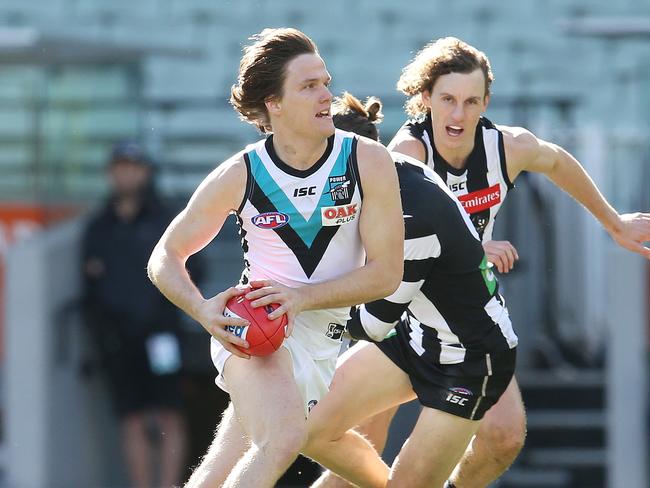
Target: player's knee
510, 443
285, 445
505, 438
320, 437
321, 425
314, 446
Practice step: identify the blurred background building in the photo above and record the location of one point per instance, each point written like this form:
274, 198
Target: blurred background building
78, 75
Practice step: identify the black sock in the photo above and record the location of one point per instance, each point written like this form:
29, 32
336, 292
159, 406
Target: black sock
449, 484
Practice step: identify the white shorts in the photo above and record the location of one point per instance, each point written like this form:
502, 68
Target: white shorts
313, 376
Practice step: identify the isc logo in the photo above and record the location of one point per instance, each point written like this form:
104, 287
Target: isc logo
458, 186
270, 220
451, 398
303, 192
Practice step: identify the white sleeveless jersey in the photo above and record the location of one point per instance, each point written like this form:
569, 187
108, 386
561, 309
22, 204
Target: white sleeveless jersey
481, 186
299, 227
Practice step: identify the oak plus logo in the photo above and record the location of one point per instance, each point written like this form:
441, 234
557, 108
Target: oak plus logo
339, 215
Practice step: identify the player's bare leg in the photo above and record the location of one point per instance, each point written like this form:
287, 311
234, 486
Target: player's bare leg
229, 445
137, 449
271, 411
375, 430
497, 443
172, 449
331, 443
432, 450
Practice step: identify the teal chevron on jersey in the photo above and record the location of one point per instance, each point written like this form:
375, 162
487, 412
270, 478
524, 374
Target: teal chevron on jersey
307, 229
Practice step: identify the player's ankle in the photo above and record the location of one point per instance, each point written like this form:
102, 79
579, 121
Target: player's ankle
449, 484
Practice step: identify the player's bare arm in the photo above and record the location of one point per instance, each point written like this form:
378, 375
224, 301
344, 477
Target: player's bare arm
525, 152
201, 220
382, 234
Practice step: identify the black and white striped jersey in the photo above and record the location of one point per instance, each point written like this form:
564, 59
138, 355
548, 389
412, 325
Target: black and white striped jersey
482, 185
448, 290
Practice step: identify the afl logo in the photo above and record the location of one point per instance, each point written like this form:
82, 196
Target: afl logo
270, 220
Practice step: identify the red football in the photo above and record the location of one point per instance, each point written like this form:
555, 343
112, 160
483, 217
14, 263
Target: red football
263, 335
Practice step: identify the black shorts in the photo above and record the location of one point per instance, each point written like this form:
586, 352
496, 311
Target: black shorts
134, 386
467, 389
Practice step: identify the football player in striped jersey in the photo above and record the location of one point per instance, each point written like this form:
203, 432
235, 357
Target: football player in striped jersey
454, 350
448, 84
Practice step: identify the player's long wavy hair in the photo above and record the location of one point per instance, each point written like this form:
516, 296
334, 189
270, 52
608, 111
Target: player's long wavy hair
348, 113
438, 58
262, 72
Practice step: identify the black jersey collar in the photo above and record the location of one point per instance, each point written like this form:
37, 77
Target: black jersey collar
299, 173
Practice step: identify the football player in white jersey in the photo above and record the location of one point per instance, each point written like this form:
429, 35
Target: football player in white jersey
283, 89
448, 83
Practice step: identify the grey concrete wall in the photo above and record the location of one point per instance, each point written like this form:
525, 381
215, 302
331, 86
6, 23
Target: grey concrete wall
61, 431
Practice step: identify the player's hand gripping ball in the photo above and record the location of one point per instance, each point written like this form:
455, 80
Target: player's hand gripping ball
264, 336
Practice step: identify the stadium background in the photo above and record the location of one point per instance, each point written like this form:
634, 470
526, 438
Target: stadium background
77, 75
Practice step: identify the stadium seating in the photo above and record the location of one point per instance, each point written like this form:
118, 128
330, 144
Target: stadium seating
57, 123
365, 44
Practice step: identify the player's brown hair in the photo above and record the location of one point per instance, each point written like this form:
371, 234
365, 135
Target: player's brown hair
262, 72
348, 113
438, 58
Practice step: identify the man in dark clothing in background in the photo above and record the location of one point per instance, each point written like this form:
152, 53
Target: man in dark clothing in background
134, 327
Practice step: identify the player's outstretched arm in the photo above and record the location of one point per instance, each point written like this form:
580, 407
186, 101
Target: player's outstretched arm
382, 233
634, 232
201, 220
525, 152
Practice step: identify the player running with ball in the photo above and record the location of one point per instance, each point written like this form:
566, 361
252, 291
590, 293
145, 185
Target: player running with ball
288, 192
